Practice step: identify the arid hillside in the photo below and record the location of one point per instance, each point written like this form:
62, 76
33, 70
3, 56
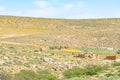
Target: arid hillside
62, 32
59, 49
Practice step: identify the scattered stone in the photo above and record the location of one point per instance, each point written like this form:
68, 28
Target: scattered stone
118, 52
60, 76
43, 49
110, 57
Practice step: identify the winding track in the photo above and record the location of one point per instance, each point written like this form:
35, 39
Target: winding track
12, 36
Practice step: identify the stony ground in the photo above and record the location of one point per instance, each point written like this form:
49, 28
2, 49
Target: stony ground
21, 40
13, 60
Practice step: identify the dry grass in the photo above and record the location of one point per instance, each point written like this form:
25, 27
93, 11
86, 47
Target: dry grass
74, 33
21, 39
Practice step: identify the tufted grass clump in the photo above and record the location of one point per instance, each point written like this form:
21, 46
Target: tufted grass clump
116, 63
74, 72
89, 70
94, 69
109, 74
31, 75
118, 52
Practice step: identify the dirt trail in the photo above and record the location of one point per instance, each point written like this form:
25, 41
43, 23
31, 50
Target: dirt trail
13, 35
14, 43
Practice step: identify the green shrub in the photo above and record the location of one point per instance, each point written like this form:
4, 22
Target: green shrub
91, 72
46, 75
118, 52
116, 64
51, 77
36, 50
25, 75
4, 76
88, 70
119, 70
31, 75
94, 69
11, 47
109, 74
52, 53
118, 75
79, 78
51, 48
74, 72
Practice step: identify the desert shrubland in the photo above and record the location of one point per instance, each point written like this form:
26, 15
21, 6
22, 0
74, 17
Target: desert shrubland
59, 49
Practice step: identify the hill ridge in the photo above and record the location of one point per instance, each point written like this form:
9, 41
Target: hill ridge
71, 32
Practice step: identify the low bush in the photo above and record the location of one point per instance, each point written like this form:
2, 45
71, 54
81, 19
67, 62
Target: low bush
116, 63
118, 52
52, 53
74, 72
94, 69
109, 74
88, 70
36, 50
46, 75
31, 75
51, 48
4, 76
25, 75
119, 75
